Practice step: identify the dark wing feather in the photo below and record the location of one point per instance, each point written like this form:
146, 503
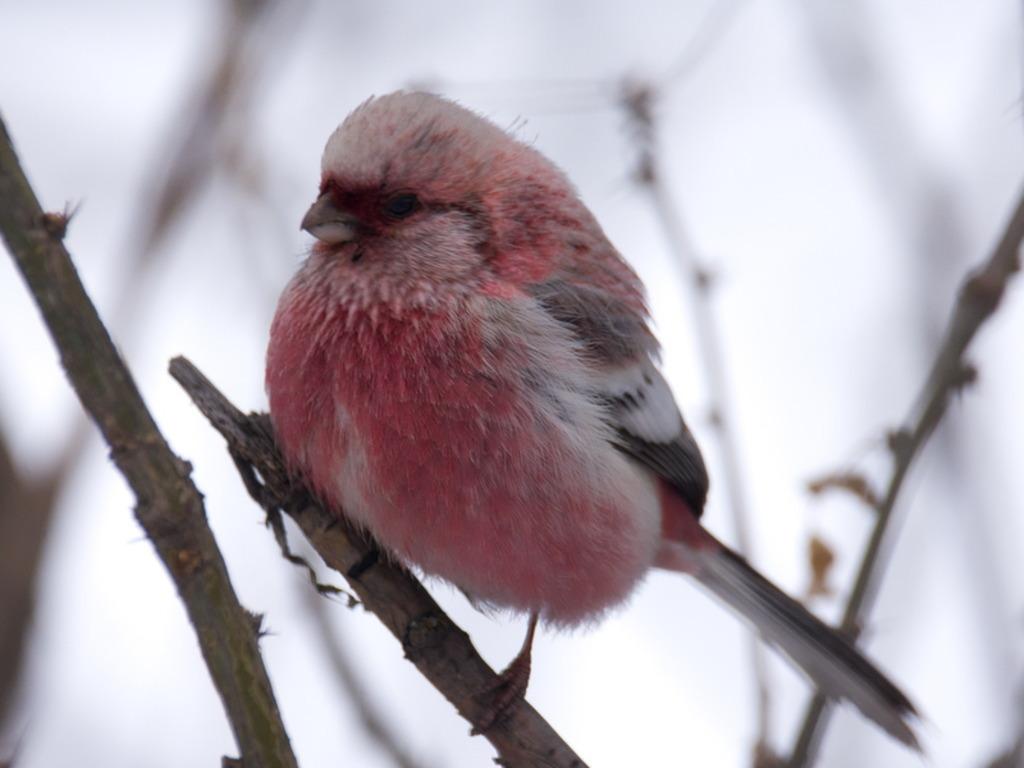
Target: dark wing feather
640, 405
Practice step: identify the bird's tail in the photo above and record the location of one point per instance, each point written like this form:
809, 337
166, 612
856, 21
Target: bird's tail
837, 668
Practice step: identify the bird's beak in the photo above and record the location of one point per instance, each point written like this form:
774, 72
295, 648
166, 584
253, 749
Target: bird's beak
327, 223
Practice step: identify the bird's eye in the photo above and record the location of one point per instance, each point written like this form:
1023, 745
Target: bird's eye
402, 205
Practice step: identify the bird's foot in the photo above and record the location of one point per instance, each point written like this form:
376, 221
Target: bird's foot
507, 691
510, 687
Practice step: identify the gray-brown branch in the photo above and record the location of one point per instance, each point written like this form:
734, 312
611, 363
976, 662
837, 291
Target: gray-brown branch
979, 297
168, 506
440, 649
26, 499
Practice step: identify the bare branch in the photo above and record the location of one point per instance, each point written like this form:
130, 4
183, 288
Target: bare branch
194, 153
980, 296
219, 102
709, 32
169, 507
639, 101
430, 639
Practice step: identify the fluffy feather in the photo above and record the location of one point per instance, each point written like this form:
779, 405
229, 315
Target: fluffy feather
470, 375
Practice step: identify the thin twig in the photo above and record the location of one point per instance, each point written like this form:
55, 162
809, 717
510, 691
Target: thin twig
169, 507
639, 102
979, 297
440, 649
340, 664
188, 159
707, 35
922, 202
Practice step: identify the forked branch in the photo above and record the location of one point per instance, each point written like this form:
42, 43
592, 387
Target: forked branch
979, 297
440, 649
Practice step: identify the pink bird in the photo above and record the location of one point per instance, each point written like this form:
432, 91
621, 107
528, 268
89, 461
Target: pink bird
463, 365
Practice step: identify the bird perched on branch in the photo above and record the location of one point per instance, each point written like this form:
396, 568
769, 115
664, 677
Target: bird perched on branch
463, 366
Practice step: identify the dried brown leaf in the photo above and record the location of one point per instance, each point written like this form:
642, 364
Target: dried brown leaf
821, 557
851, 482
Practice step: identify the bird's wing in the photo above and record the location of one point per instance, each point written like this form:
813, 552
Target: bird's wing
613, 332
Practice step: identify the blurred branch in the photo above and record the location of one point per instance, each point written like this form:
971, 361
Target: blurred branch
440, 649
169, 507
919, 198
213, 134
26, 501
345, 674
26, 508
1013, 757
577, 95
707, 35
979, 297
926, 211
195, 155
639, 101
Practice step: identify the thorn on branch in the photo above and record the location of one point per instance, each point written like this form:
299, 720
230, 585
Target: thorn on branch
703, 279
256, 620
900, 443
715, 418
965, 376
985, 288
56, 223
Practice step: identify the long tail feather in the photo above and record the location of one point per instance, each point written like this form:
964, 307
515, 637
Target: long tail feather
832, 662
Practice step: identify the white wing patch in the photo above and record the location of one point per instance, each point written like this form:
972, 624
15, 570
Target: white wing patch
641, 402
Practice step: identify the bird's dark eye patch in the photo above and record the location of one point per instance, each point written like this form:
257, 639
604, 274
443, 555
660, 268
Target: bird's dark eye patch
402, 205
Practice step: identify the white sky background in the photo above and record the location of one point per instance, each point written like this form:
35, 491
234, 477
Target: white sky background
823, 305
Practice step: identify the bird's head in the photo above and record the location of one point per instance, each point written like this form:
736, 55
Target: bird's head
415, 187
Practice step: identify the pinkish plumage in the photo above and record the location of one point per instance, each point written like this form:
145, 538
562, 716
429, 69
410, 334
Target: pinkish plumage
426, 417
463, 366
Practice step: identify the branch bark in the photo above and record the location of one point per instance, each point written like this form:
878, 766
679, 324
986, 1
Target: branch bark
26, 499
979, 297
440, 649
169, 507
